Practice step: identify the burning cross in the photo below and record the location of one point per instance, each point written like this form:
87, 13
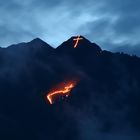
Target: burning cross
77, 40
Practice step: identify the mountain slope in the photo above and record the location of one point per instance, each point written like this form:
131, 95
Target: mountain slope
84, 45
103, 105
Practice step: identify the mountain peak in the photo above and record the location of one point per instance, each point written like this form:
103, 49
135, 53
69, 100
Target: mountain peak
34, 46
35, 43
78, 43
38, 42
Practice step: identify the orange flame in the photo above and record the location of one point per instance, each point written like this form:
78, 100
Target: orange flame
77, 41
65, 90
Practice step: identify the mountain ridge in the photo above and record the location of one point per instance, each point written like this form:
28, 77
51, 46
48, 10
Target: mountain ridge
41, 43
104, 103
37, 42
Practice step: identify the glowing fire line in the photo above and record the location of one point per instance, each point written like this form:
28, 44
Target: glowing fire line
66, 90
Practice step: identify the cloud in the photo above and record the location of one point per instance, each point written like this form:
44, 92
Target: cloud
104, 22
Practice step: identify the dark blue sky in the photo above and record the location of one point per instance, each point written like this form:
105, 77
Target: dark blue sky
113, 24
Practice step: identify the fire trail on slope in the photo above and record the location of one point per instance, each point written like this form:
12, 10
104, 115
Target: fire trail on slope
63, 90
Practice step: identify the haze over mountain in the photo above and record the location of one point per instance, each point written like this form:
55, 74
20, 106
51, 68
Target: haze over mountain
104, 105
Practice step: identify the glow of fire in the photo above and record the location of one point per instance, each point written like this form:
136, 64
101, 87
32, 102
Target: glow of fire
77, 41
64, 91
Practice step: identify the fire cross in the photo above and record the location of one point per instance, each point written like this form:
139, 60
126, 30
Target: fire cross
77, 41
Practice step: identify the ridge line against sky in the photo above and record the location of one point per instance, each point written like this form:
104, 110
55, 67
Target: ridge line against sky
113, 24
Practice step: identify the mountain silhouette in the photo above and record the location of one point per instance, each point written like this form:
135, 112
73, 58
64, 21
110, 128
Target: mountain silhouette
83, 46
103, 105
34, 46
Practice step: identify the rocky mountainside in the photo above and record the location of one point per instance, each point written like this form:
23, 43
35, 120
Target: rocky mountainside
103, 105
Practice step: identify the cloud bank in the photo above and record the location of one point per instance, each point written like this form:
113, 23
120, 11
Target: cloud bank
113, 24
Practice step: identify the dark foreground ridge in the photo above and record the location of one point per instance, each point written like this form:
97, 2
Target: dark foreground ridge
104, 105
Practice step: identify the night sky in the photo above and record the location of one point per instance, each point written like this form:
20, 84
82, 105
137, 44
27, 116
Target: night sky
113, 24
